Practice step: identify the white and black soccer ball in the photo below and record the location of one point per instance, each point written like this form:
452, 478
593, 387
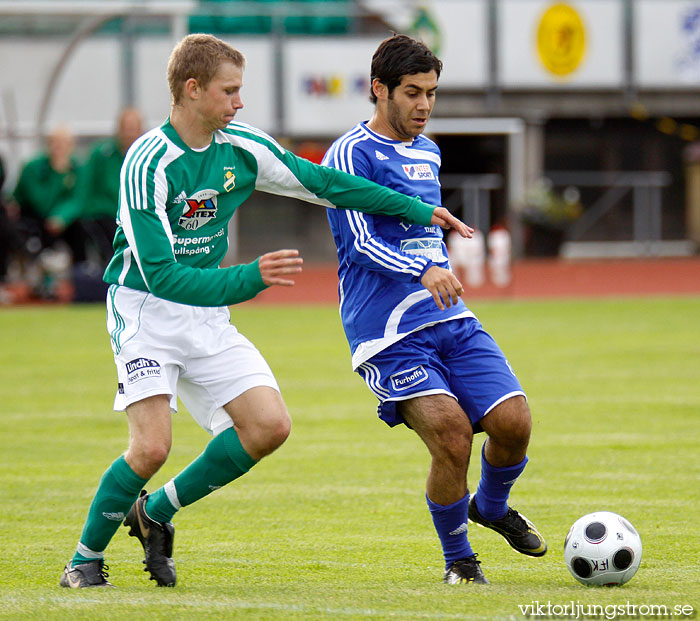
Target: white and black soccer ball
602, 548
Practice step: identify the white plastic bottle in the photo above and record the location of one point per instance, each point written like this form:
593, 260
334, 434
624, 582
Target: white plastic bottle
469, 256
500, 245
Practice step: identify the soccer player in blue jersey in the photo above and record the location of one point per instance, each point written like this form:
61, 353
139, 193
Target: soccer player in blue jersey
420, 350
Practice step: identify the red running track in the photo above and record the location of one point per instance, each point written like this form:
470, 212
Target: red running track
532, 279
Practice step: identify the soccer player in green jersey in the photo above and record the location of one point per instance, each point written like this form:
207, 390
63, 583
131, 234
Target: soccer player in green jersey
168, 300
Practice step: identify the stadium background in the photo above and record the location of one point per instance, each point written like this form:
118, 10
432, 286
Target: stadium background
313, 533
574, 124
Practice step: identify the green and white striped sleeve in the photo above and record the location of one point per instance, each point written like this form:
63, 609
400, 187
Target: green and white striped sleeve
281, 172
150, 239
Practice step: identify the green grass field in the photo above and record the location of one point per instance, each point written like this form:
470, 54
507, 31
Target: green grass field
334, 525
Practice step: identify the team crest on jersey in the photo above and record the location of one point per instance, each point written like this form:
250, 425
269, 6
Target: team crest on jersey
230, 181
418, 172
198, 210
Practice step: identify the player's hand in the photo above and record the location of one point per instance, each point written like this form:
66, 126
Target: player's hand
446, 220
275, 266
443, 285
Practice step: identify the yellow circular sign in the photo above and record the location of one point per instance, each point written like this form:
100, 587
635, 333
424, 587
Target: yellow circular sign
561, 39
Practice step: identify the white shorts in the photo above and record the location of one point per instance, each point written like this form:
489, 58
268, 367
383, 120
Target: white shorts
166, 348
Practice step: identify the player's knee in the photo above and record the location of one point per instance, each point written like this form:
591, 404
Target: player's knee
146, 457
273, 432
510, 425
521, 432
156, 455
520, 425
281, 429
454, 439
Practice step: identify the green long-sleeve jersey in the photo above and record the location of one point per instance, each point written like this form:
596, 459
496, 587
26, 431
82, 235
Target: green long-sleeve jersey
175, 204
42, 191
97, 194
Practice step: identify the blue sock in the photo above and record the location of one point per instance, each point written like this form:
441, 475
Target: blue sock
491, 496
451, 526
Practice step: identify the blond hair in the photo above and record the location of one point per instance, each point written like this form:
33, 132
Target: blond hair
198, 56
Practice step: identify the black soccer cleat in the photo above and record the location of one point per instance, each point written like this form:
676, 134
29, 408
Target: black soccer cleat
156, 539
465, 570
517, 530
92, 574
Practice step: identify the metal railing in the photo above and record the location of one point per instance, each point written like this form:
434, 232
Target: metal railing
473, 197
646, 189
470, 196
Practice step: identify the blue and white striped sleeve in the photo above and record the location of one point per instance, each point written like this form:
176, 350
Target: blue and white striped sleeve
360, 244
354, 231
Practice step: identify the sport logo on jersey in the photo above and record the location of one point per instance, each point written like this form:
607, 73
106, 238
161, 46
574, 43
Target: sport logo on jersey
198, 210
418, 172
403, 380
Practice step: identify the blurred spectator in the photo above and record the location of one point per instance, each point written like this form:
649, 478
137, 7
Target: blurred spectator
97, 194
45, 195
96, 203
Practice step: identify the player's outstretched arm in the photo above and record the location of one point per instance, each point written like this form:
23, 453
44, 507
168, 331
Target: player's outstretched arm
276, 266
446, 220
335, 188
443, 285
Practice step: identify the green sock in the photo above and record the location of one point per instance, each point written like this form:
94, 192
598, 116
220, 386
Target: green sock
117, 491
223, 460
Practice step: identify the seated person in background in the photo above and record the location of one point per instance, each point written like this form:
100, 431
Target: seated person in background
45, 193
45, 208
97, 194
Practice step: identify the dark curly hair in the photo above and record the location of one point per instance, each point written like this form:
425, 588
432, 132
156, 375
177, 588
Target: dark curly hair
398, 56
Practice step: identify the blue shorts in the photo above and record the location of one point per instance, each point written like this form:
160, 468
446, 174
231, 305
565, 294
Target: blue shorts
456, 358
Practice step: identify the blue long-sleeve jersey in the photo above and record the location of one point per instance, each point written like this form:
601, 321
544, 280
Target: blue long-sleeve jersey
381, 259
